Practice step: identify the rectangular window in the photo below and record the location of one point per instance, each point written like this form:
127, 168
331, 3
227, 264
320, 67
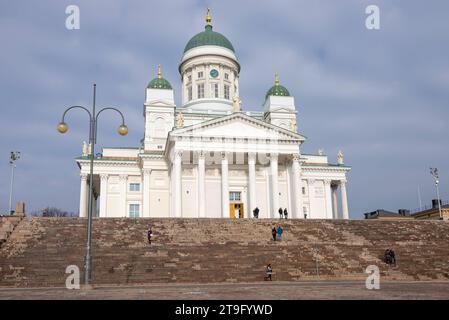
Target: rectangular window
303, 190
134, 210
201, 91
200, 75
235, 196
226, 92
189, 93
134, 187
226, 76
214, 90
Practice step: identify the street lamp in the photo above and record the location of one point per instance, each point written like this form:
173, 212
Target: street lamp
15, 155
63, 128
434, 173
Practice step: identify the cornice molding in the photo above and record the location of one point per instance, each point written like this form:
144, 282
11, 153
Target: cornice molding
307, 168
109, 163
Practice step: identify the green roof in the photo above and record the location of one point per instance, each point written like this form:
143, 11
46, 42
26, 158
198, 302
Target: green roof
209, 38
159, 83
277, 90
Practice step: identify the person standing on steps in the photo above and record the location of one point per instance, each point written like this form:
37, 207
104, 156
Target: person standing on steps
273, 233
269, 272
280, 213
285, 213
393, 257
150, 234
280, 231
256, 213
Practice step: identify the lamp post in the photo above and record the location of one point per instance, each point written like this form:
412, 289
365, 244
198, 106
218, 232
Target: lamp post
93, 120
15, 155
434, 173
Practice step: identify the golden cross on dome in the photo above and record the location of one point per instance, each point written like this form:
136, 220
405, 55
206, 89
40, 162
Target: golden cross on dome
208, 17
159, 73
276, 79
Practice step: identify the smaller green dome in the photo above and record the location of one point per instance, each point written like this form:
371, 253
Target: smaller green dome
277, 90
159, 82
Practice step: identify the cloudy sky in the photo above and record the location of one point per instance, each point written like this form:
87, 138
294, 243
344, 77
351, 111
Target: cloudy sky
380, 96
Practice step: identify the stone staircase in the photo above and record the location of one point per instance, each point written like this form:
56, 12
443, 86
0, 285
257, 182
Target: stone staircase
7, 225
38, 251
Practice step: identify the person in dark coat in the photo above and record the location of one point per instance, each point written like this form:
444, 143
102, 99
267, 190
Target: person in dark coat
285, 213
387, 256
274, 233
280, 212
256, 213
392, 257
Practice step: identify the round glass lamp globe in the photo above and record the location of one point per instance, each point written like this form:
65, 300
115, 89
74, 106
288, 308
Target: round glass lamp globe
123, 130
63, 127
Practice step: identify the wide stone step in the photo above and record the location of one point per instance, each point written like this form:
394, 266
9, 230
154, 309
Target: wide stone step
37, 252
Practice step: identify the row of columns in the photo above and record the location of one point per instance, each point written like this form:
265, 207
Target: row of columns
176, 176
104, 178
84, 196
344, 201
176, 173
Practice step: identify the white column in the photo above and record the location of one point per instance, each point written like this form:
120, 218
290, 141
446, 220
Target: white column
207, 90
224, 186
221, 88
236, 84
177, 184
201, 185
274, 184
328, 193
83, 196
123, 180
146, 193
335, 202
297, 188
252, 183
103, 195
311, 184
344, 200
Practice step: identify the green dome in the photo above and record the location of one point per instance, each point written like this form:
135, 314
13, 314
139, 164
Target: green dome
209, 38
159, 82
277, 90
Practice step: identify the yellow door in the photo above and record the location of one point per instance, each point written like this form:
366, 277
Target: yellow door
232, 211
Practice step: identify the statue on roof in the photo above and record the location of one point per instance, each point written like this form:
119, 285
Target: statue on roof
293, 125
179, 120
236, 104
340, 158
85, 149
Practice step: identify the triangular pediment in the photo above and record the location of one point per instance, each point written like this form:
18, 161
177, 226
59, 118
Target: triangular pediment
238, 125
282, 110
159, 103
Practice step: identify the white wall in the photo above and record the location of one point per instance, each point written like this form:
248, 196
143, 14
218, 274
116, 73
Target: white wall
213, 197
159, 194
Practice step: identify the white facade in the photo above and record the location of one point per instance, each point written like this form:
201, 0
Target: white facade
209, 159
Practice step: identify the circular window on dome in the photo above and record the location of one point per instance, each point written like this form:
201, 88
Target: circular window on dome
214, 73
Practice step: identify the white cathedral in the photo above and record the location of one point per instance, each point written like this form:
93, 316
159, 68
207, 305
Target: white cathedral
209, 158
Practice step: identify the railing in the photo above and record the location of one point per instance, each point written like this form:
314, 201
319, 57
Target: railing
428, 207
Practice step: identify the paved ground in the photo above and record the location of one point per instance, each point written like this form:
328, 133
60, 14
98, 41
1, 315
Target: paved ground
240, 291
